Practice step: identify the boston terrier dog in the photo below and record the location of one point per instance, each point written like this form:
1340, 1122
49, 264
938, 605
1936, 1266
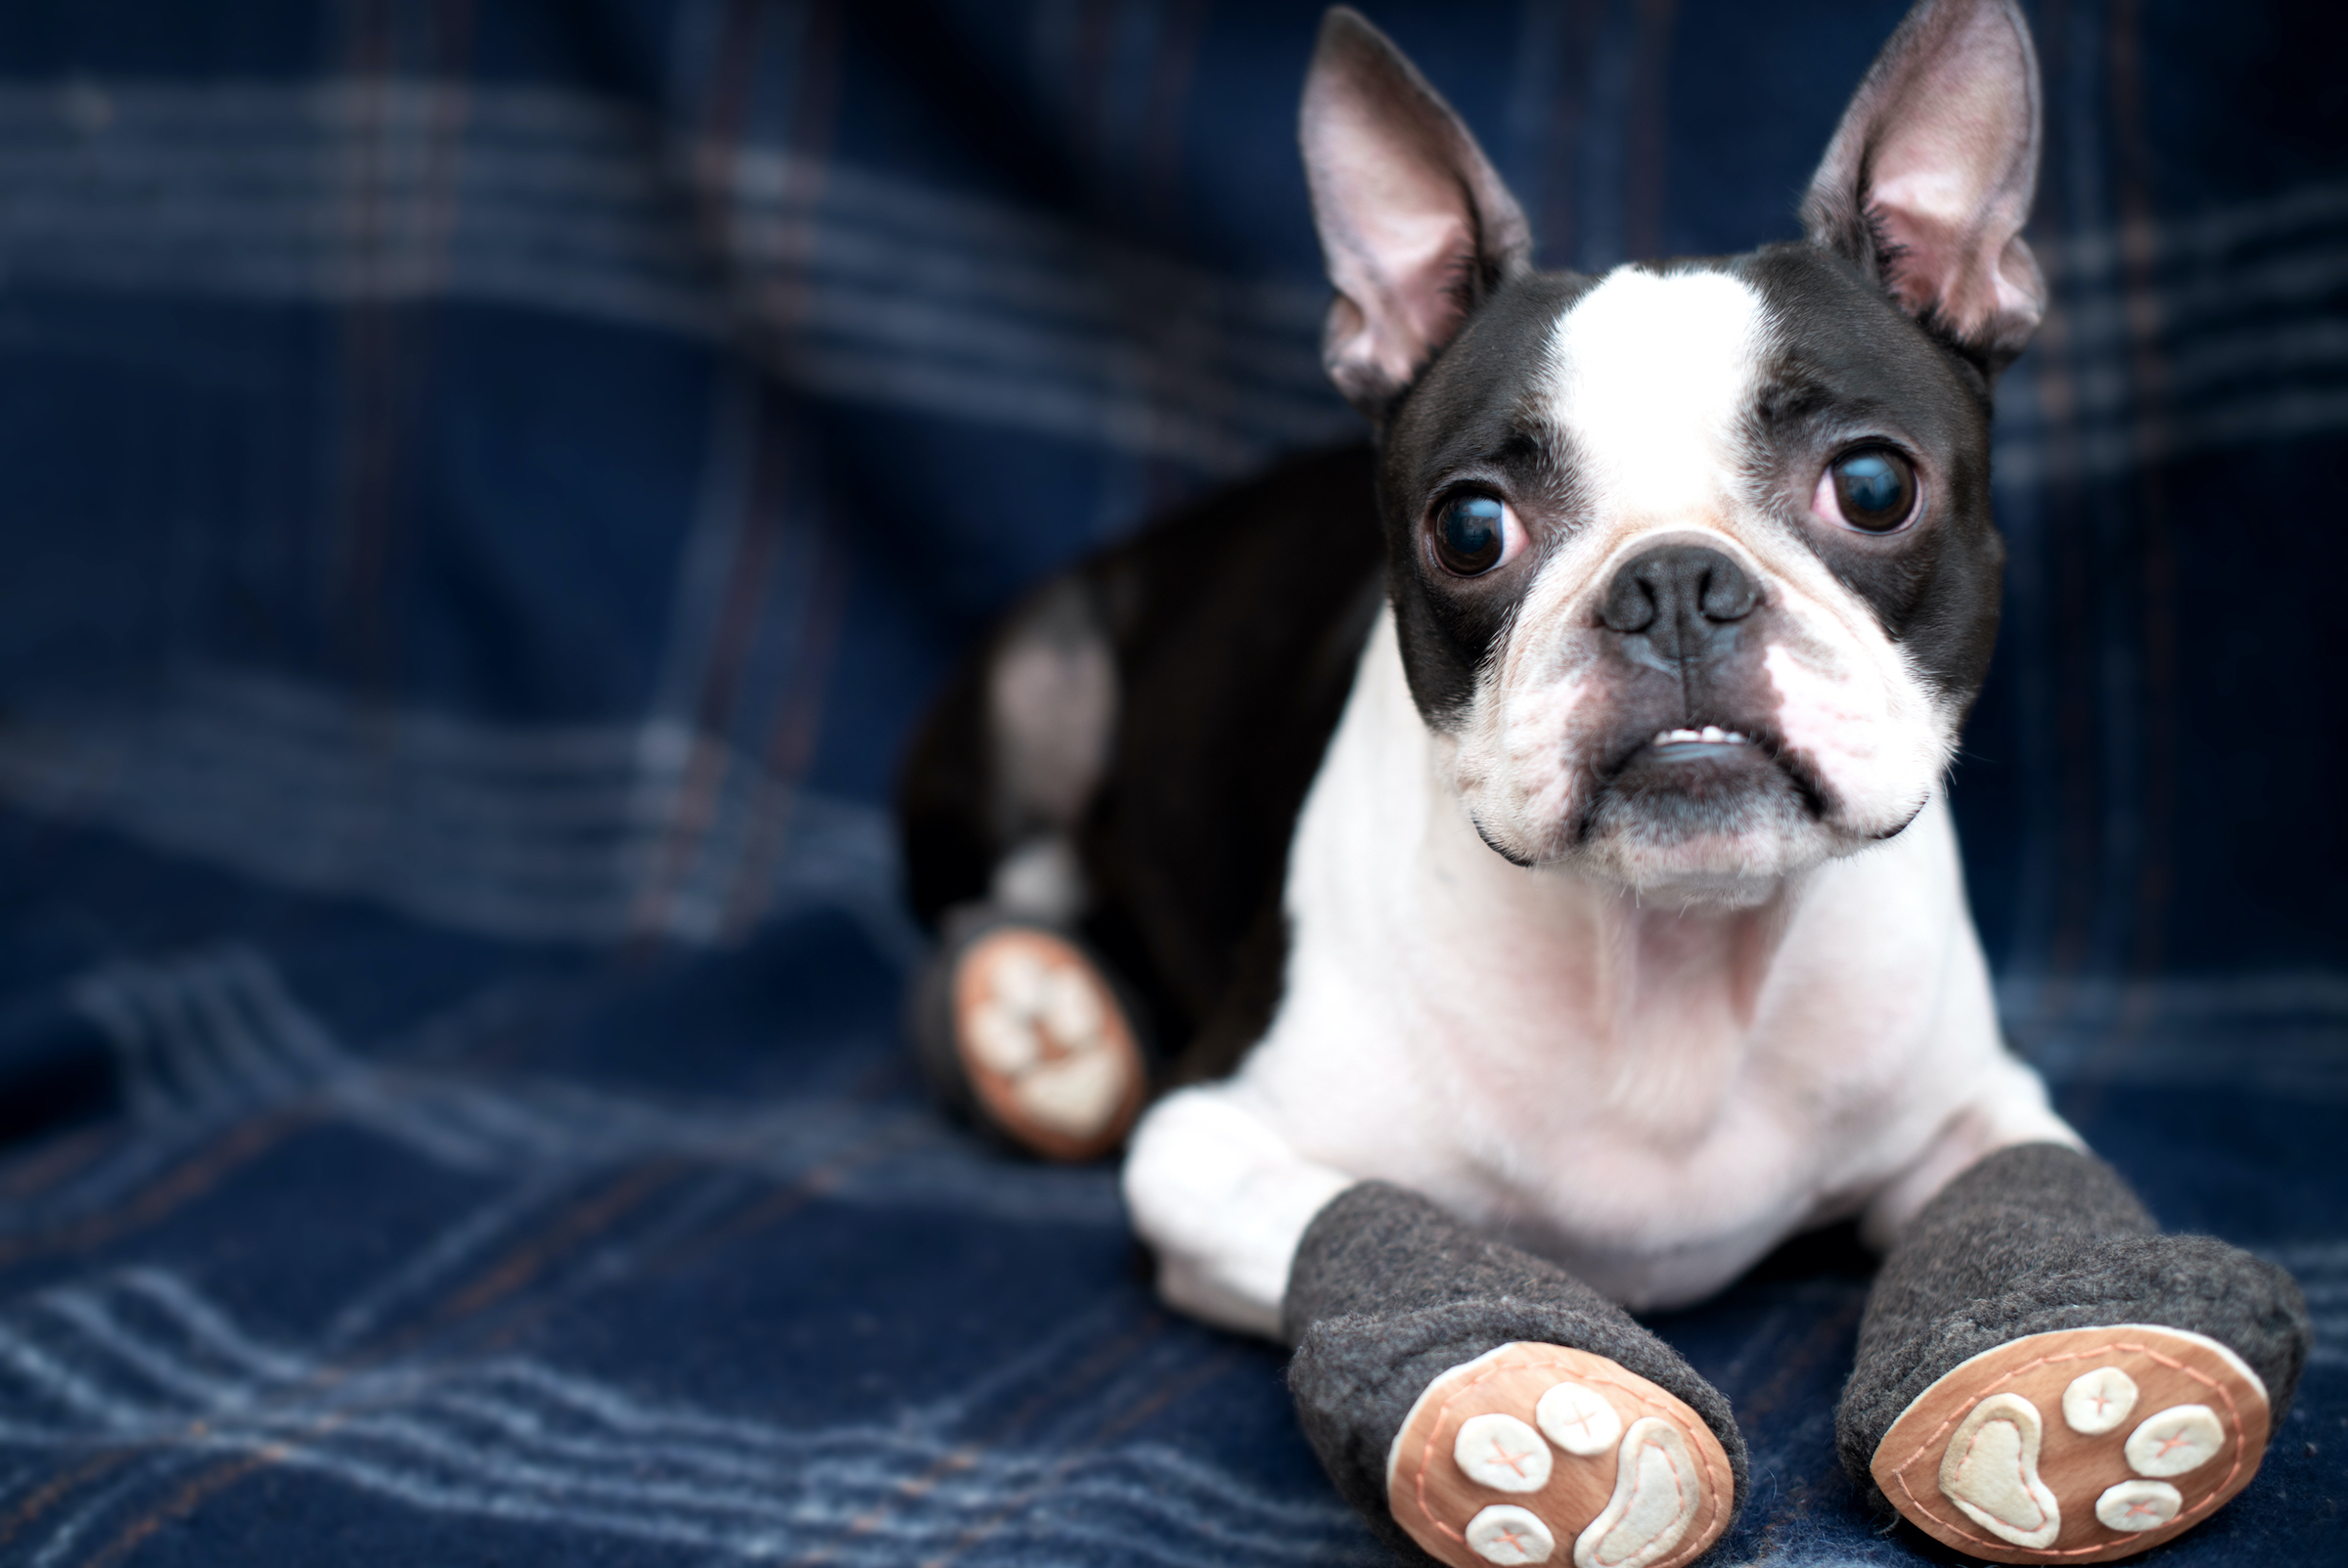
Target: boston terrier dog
1508, 875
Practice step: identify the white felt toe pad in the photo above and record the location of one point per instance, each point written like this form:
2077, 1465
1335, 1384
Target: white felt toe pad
2180, 1438
1577, 1418
1502, 1453
2134, 1505
1507, 1534
2097, 1402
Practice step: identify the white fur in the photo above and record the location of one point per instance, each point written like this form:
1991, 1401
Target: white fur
1652, 1094
1649, 375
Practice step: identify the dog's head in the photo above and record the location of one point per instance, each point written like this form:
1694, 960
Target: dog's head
1692, 564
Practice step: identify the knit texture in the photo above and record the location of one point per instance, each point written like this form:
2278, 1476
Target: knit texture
1388, 1292
2042, 1237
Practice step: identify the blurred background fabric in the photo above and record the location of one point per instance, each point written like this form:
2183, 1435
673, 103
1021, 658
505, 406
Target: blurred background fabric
484, 490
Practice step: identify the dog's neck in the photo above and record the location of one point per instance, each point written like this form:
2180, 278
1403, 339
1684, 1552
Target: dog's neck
1635, 959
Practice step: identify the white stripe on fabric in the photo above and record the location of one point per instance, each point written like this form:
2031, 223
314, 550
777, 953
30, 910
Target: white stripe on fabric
535, 1129
2235, 310
145, 1358
882, 290
536, 832
885, 291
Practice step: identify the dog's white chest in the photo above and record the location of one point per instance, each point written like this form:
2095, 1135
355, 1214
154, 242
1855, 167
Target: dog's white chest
1653, 1098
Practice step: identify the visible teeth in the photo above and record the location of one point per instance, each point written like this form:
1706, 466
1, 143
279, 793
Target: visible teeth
1710, 735
1715, 733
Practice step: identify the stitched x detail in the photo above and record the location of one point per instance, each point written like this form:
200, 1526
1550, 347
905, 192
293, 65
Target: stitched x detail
1515, 1461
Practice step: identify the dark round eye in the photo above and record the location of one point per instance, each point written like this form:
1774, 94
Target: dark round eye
1471, 534
1873, 488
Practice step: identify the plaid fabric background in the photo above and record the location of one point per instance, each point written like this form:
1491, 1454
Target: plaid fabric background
485, 488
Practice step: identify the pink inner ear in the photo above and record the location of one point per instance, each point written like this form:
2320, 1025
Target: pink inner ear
1967, 263
1399, 276
1395, 223
1403, 200
1936, 248
1949, 180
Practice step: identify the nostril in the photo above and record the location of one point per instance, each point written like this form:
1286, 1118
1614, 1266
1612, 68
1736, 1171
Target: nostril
1630, 606
1727, 594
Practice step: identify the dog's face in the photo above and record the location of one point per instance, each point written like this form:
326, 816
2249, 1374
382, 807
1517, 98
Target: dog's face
1692, 565
1695, 565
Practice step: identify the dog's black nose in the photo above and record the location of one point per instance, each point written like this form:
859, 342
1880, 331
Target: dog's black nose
1683, 599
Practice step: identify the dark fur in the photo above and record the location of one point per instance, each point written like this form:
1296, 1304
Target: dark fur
1235, 629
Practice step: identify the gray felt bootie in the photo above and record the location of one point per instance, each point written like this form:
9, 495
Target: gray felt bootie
1480, 1406
2043, 1377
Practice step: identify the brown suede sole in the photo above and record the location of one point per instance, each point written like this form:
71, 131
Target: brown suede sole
1540, 1454
2077, 1446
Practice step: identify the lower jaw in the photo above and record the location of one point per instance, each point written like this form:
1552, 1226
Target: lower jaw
1709, 856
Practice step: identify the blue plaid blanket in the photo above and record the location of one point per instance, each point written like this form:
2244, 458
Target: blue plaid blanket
487, 488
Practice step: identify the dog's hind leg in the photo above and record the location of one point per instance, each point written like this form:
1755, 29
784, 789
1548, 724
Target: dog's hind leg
1020, 1028
2043, 1377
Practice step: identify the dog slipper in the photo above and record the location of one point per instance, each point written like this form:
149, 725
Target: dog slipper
2081, 1446
1037, 1034
1535, 1454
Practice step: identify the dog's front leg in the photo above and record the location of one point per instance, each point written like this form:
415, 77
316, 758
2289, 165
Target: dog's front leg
1223, 1201
2043, 1377
1477, 1403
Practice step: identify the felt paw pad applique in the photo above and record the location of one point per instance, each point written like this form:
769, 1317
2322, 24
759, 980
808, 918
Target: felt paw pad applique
1044, 1045
2077, 1446
1537, 1454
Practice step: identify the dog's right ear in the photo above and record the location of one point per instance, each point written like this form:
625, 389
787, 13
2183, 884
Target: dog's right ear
1416, 227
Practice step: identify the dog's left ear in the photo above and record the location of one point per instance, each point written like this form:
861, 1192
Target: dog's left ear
1929, 180
1415, 225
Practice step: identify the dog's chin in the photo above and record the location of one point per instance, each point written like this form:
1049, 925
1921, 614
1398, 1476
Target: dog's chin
1725, 827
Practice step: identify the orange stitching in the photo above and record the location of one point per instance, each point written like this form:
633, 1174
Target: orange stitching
2223, 1392
1426, 1449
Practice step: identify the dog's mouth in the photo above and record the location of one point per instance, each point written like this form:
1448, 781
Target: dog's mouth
1694, 752
1707, 744
1704, 777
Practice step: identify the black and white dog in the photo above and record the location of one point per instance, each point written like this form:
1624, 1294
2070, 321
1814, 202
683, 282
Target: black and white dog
1574, 870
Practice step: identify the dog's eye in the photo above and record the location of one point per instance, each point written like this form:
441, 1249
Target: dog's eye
1873, 488
1473, 534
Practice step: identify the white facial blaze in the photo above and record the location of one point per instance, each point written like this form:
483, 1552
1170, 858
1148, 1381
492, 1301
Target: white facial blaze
1649, 376
1650, 379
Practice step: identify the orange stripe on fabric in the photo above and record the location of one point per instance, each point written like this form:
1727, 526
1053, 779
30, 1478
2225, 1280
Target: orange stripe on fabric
588, 1219
181, 1504
40, 1172
175, 1188
54, 1489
